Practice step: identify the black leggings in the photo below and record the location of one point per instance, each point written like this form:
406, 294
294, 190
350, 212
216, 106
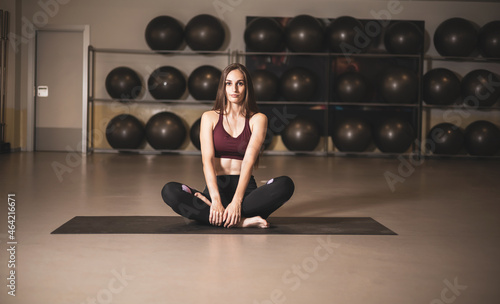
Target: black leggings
258, 201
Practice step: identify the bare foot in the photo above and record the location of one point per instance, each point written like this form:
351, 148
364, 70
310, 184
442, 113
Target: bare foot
256, 222
203, 198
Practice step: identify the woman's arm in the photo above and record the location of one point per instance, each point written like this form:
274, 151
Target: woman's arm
258, 125
208, 121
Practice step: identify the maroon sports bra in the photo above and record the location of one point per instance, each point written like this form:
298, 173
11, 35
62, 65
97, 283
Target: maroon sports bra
226, 146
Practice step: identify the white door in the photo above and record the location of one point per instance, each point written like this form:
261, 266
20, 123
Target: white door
59, 87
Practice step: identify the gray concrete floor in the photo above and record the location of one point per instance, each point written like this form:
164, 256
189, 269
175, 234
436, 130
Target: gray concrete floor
446, 213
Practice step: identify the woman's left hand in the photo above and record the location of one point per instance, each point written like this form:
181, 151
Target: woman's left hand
232, 214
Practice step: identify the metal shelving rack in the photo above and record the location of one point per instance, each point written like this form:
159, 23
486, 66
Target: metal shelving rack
427, 107
92, 99
327, 103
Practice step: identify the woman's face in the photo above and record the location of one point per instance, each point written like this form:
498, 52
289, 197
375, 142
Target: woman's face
235, 86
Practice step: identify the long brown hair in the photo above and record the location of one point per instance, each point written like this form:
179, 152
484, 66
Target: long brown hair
249, 103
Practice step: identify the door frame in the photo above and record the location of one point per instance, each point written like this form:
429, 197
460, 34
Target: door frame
30, 128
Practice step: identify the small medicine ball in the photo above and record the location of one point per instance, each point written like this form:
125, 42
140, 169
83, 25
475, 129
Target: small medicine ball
352, 135
194, 133
298, 84
440, 87
165, 131
166, 82
482, 138
164, 33
204, 82
489, 39
125, 132
403, 37
301, 134
204, 33
399, 85
304, 33
123, 83
351, 87
264, 35
394, 135
456, 37
478, 88
265, 85
445, 138
342, 34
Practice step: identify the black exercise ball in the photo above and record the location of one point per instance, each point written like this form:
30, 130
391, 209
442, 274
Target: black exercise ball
489, 39
304, 33
165, 131
264, 35
194, 133
478, 88
456, 37
265, 85
204, 82
482, 138
445, 138
399, 85
440, 87
125, 132
403, 37
342, 33
123, 83
204, 33
395, 135
298, 84
352, 135
351, 87
164, 33
166, 82
301, 134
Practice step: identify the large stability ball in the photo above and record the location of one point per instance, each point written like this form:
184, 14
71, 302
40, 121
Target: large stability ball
165, 131
123, 83
194, 134
301, 134
342, 35
445, 138
351, 87
403, 37
304, 33
352, 135
265, 85
204, 33
482, 138
440, 87
264, 35
395, 135
204, 82
489, 39
456, 37
164, 33
478, 88
298, 84
166, 82
125, 132
399, 85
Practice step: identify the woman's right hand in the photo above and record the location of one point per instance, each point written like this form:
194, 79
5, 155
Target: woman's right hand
216, 213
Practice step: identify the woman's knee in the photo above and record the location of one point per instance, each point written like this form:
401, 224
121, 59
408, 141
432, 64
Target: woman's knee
169, 192
284, 185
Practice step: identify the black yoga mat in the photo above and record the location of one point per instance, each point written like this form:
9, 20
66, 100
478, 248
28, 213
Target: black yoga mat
179, 225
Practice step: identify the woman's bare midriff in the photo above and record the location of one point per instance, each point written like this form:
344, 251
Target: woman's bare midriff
227, 166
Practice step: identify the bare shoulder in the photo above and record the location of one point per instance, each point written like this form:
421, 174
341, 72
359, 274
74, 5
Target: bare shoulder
210, 117
259, 119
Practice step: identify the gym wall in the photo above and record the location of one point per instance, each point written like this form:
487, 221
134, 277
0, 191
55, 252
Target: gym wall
121, 24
